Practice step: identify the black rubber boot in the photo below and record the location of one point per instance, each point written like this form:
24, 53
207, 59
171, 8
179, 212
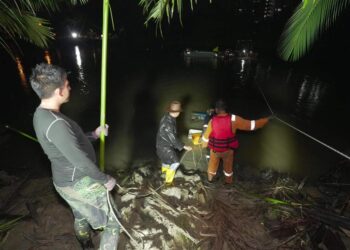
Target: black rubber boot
86, 244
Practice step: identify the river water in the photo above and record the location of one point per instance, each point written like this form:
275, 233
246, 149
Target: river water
141, 83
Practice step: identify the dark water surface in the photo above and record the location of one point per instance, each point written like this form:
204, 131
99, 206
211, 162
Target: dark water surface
141, 83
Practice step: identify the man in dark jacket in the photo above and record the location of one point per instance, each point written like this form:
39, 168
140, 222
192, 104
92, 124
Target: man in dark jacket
167, 142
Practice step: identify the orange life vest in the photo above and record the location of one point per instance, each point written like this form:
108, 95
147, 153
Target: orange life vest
221, 137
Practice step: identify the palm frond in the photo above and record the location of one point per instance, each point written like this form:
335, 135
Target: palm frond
25, 26
37, 30
18, 19
6, 47
156, 10
48, 5
9, 221
309, 21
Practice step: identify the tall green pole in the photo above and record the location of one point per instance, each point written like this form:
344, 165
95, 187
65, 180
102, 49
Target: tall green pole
103, 80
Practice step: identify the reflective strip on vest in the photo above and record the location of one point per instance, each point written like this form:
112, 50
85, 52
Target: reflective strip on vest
222, 143
228, 174
252, 125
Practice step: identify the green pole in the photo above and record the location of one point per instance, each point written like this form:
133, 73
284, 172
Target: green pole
103, 80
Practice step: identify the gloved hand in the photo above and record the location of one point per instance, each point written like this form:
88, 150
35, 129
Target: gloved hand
110, 183
99, 130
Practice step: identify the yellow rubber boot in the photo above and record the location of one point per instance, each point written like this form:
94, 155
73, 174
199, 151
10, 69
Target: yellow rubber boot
165, 168
170, 174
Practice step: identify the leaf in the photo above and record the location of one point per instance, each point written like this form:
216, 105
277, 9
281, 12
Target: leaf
157, 9
9, 221
18, 20
310, 19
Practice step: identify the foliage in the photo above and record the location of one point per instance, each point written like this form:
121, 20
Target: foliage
157, 9
309, 21
18, 19
9, 221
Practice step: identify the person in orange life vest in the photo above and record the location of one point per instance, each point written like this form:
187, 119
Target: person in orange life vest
221, 138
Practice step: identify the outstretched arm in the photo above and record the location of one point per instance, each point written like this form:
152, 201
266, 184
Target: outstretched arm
248, 125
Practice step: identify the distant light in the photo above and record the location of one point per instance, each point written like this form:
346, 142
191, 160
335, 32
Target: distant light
244, 51
74, 34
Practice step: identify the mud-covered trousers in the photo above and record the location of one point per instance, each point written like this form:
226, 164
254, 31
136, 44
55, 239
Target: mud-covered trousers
88, 201
227, 158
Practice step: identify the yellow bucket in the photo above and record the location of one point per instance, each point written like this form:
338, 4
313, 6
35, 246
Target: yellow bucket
195, 138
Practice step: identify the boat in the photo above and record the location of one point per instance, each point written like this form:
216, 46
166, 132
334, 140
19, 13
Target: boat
200, 54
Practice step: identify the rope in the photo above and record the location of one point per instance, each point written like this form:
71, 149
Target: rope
183, 156
196, 171
116, 218
291, 126
149, 194
268, 105
313, 138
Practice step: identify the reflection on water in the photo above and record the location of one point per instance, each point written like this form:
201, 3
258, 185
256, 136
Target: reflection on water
242, 70
309, 97
21, 74
78, 56
47, 56
193, 61
83, 89
242, 65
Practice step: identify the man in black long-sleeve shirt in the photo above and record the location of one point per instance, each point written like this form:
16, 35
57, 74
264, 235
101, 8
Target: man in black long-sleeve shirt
73, 162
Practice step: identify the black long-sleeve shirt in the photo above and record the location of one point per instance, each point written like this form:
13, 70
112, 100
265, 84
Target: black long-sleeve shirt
71, 153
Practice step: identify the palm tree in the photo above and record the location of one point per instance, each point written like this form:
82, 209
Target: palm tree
19, 20
310, 19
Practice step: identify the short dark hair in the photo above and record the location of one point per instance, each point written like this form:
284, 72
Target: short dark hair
220, 105
46, 78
